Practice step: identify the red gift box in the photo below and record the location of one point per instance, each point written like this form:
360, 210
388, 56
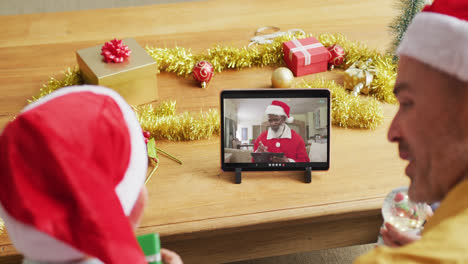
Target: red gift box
305, 56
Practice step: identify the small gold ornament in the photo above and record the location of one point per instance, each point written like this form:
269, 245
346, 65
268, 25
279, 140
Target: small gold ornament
282, 78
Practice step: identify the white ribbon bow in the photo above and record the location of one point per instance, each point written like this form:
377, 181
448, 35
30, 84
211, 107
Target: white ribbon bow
268, 38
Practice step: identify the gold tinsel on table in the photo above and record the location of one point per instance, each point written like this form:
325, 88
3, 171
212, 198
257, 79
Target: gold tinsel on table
2, 226
71, 77
164, 123
181, 61
382, 85
347, 110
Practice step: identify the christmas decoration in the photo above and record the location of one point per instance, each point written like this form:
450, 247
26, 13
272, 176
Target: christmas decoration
261, 39
147, 135
202, 72
164, 123
282, 78
181, 61
349, 111
383, 83
70, 77
359, 76
408, 8
402, 213
337, 56
2, 226
177, 127
134, 80
151, 246
115, 51
305, 56
153, 154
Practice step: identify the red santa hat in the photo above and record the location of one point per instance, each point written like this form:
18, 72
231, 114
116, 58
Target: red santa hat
279, 108
72, 166
438, 35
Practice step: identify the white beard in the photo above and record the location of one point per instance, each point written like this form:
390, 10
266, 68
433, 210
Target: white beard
277, 133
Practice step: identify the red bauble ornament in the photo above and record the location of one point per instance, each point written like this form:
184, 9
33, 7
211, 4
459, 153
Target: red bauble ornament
146, 134
202, 72
115, 51
337, 55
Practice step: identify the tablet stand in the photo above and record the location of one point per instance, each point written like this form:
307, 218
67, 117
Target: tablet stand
308, 175
238, 176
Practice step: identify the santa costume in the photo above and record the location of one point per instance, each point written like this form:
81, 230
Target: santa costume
285, 140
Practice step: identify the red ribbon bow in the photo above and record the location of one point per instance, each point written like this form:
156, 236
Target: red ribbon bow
115, 51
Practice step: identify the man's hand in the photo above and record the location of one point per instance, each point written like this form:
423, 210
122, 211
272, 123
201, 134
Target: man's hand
393, 237
262, 148
170, 257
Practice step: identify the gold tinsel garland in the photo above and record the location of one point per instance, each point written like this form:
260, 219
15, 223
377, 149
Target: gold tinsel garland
382, 85
164, 123
181, 61
348, 111
71, 77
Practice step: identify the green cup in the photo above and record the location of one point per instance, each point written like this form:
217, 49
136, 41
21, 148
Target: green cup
151, 246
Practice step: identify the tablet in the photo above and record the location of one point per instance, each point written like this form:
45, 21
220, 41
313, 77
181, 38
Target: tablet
293, 123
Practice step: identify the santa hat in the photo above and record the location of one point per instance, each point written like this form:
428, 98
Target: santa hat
438, 35
72, 166
279, 108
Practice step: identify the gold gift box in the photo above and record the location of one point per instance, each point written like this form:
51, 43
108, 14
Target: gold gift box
134, 79
354, 77
359, 76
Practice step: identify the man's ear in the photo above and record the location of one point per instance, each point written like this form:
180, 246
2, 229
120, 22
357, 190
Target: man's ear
137, 211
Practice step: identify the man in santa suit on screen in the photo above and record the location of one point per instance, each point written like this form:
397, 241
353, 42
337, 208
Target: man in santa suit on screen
279, 137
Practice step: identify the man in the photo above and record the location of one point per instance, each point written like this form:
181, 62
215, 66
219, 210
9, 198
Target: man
73, 166
279, 137
431, 129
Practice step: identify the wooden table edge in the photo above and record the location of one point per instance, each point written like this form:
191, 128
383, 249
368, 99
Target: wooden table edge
266, 220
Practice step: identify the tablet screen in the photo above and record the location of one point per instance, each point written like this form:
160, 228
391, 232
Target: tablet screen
275, 129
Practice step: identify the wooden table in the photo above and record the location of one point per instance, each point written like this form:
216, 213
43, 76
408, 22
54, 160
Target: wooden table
195, 207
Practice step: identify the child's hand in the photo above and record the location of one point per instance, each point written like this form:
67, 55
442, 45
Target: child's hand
170, 257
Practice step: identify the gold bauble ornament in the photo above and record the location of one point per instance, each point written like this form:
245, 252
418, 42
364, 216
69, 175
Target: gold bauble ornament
282, 78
